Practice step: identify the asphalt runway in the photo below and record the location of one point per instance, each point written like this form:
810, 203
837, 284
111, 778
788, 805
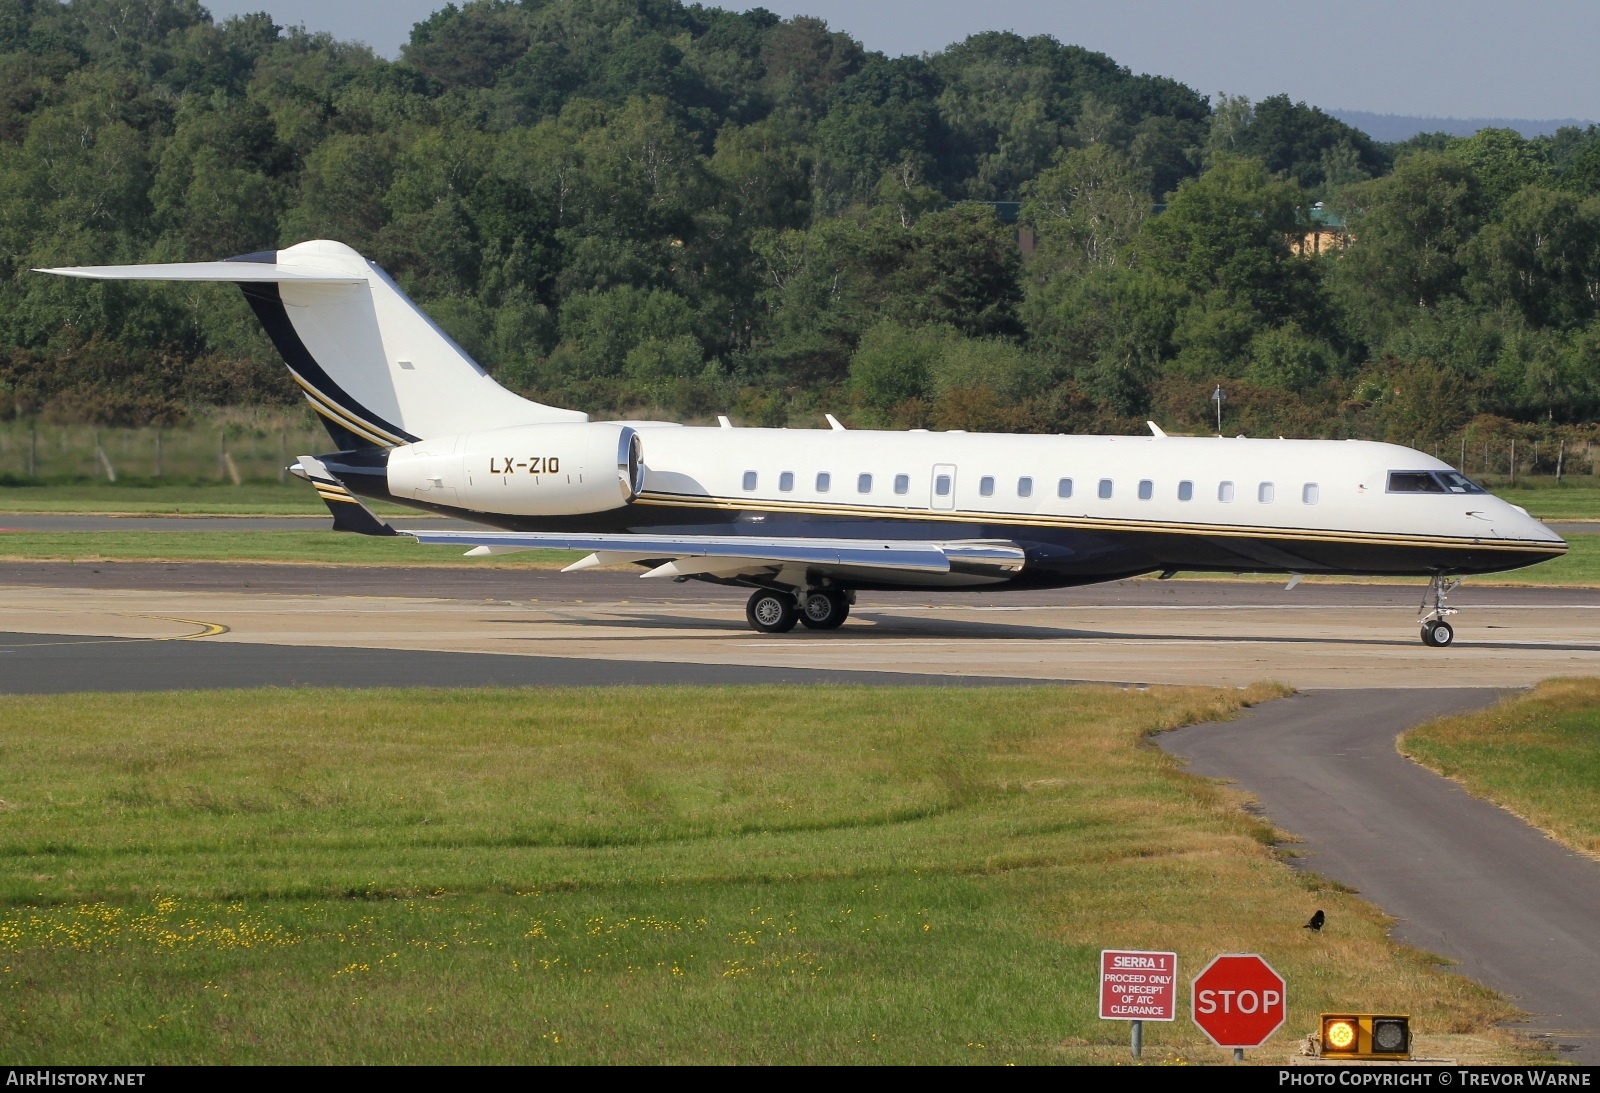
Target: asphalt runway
1316, 636
1463, 878
68, 664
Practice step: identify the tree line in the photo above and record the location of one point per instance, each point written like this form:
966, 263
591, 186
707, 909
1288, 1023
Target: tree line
639, 206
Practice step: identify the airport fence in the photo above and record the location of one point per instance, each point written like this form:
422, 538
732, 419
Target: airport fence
228, 447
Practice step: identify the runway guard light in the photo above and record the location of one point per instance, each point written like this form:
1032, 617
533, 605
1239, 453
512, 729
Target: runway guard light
1366, 1036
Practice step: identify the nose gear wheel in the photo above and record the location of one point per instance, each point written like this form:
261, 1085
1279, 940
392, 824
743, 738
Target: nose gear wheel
1436, 632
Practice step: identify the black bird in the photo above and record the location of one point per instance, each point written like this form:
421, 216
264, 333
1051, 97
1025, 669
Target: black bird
1316, 922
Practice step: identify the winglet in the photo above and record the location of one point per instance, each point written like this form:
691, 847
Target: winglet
833, 423
349, 513
1155, 430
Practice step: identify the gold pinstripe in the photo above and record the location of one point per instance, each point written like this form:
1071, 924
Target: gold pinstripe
330, 409
1085, 523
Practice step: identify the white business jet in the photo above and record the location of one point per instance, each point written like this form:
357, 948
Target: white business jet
809, 518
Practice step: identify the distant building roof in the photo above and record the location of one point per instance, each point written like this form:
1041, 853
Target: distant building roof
1323, 217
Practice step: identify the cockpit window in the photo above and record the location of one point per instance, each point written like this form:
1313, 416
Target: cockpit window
1455, 482
1413, 482
1432, 482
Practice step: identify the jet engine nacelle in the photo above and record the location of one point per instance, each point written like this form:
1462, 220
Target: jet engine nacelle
524, 470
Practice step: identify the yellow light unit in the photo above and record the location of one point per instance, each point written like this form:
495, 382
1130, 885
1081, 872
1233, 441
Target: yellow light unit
1366, 1036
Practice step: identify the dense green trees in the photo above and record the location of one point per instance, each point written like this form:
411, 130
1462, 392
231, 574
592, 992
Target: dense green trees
636, 205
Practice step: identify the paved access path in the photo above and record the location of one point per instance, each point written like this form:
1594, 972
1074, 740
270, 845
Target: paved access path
1465, 879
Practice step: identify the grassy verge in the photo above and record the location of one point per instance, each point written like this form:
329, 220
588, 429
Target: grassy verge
675, 875
1579, 568
297, 547
254, 498
1537, 754
1572, 499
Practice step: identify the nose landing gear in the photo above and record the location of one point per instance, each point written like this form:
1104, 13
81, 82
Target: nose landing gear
1435, 630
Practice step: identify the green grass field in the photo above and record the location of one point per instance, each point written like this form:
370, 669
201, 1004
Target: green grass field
1570, 499
301, 547
253, 498
680, 875
1537, 754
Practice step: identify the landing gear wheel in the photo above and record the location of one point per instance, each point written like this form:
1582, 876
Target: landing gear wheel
824, 610
1438, 634
771, 612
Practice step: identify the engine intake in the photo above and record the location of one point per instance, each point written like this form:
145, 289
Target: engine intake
525, 470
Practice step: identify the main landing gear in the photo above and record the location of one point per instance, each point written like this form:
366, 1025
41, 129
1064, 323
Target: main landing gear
774, 611
1435, 630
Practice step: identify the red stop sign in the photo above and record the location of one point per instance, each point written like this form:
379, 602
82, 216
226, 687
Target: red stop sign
1238, 1000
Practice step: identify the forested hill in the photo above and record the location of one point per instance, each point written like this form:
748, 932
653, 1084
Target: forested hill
637, 206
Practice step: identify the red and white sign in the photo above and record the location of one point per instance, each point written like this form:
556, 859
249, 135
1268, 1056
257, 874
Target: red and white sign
1138, 986
1238, 1000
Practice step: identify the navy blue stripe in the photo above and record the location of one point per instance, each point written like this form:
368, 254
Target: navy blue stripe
267, 302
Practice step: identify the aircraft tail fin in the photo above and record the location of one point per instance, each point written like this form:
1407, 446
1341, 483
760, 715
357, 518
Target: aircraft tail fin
377, 369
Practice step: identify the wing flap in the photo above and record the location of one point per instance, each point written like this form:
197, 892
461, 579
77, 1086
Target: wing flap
914, 556
689, 555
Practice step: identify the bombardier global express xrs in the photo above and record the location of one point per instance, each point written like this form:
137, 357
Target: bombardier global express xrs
808, 518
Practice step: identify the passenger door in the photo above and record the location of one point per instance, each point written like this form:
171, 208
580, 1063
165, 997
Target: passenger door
943, 495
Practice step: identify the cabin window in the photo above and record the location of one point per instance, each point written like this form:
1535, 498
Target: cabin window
941, 485
1064, 488
1309, 493
786, 481
1225, 492
824, 480
1024, 487
749, 480
1185, 491
986, 486
1147, 489
863, 483
1105, 489
1265, 493
902, 483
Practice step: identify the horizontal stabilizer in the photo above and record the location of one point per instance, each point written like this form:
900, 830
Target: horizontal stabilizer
235, 272
349, 512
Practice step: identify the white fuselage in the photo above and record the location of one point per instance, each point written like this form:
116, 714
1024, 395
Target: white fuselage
1250, 486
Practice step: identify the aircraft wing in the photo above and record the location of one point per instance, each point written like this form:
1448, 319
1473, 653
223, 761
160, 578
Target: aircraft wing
728, 556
